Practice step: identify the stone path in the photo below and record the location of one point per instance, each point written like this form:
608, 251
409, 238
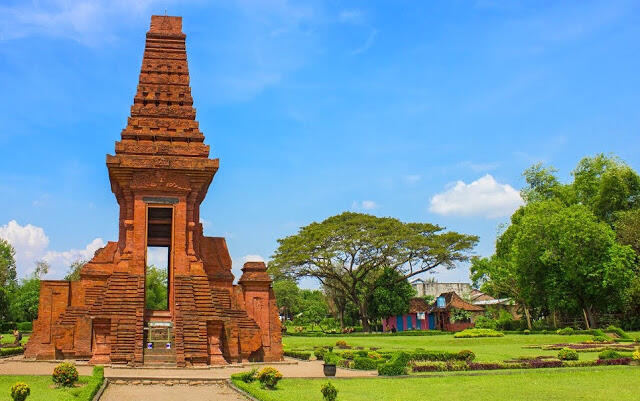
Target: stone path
156, 392
291, 368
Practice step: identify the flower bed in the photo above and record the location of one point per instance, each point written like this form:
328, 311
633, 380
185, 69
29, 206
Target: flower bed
419, 367
593, 347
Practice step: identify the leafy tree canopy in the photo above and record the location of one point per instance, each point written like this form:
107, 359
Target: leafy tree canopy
391, 296
156, 293
8, 273
350, 251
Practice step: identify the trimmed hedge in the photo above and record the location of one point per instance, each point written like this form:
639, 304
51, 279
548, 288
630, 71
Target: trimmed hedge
475, 333
11, 351
305, 356
442, 356
364, 363
396, 366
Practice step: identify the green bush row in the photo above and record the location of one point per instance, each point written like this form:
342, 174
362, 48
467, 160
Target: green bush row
305, 356
8, 327
396, 366
11, 351
475, 333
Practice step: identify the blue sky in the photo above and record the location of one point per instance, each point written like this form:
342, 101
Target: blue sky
422, 110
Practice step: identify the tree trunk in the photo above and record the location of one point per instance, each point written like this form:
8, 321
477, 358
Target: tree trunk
341, 309
592, 321
555, 320
526, 313
364, 316
586, 319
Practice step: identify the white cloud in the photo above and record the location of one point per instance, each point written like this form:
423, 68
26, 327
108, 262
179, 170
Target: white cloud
483, 197
252, 258
31, 244
85, 21
364, 205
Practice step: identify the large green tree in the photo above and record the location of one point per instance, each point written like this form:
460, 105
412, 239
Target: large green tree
287, 297
7, 277
8, 273
350, 251
391, 296
156, 288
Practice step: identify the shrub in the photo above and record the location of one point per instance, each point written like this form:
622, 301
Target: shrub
329, 392
483, 322
331, 359
364, 363
65, 374
298, 355
374, 355
636, 355
247, 377
319, 353
617, 331
347, 354
567, 354
362, 353
342, 344
475, 333
609, 354
25, 327
11, 351
601, 339
527, 332
20, 391
567, 331
466, 355
269, 377
396, 366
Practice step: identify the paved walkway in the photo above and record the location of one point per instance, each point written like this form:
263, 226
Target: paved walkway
291, 368
156, 392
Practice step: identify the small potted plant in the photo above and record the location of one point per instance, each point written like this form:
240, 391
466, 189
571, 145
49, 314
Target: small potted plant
329, 365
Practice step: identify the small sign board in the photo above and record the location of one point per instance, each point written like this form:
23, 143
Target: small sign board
160, 324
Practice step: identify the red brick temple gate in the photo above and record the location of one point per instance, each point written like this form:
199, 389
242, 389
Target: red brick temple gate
160, 174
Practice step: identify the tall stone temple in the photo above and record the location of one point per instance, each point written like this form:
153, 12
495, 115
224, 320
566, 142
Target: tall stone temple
160, 174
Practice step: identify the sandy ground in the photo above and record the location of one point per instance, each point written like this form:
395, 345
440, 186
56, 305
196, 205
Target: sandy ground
299, 369
156, 392
17, 366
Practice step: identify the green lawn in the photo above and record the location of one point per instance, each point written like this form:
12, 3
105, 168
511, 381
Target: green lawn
486, 349
42, 388
10, 339
601, 383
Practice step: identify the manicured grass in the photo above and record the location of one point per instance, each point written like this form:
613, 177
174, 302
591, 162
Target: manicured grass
42, 388
602, 383
486, 349
10, 339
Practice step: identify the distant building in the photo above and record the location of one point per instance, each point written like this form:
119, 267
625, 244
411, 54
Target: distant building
433, 288
437, 316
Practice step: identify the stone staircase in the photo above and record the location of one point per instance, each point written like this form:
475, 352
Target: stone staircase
159, 345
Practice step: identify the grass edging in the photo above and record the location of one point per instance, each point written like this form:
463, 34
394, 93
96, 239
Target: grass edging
240, 391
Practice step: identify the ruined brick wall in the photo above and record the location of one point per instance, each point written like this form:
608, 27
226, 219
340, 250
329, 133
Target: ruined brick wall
161, 159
